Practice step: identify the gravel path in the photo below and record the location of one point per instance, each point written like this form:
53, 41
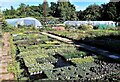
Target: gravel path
5, 58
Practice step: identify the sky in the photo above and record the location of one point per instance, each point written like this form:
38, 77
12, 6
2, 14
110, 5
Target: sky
79, 4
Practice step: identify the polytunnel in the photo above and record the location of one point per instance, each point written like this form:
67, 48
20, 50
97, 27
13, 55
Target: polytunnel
94, 23
24, 21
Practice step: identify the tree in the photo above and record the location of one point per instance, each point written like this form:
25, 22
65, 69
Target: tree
118, 11
53, 9
35, 11
109, 11
28, 11
80, 15
21, 10
64, 10
45, 8
12, 12
92, 12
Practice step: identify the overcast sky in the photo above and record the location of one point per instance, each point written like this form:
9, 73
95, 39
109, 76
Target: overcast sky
79, 4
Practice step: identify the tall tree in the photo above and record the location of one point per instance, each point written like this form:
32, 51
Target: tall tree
109, 11
34, 11
45, 8
80, 15
53, 9
64, 10
118, 11
92, 12
12, 12
21, 11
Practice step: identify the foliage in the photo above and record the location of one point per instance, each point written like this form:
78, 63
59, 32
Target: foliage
109, 11
16, 70
59, 10
32, 60
41, 58
92, 12
7, 28
14, 66
25, 37
47, 59
82, 60
47, 29
25, 10
106, 12
70, 72
4, 26
74, 54
2, 19
63, 10
66, 11
80, 34
86, 27
105, 43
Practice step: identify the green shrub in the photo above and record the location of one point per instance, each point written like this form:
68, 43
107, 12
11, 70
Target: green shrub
7, 28
67, 26
47, 29
86, 27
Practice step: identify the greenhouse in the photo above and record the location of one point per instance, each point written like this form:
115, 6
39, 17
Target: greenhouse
94, 23
28, 21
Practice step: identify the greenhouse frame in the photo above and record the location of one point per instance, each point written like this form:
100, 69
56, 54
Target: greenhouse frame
94, 23
28, 21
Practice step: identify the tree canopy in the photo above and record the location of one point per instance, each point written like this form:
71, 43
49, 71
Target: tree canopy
104, 12
67, 11
63, 10
92, 12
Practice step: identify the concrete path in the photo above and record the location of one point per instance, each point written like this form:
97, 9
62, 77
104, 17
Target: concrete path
86, 47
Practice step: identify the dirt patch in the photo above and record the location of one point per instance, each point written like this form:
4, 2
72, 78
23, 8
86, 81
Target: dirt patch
8, 76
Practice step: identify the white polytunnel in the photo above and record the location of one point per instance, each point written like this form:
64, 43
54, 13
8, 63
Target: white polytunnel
94, 23
24, 21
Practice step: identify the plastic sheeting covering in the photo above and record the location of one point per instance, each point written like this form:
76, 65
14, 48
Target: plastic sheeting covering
24, 21
94, 23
